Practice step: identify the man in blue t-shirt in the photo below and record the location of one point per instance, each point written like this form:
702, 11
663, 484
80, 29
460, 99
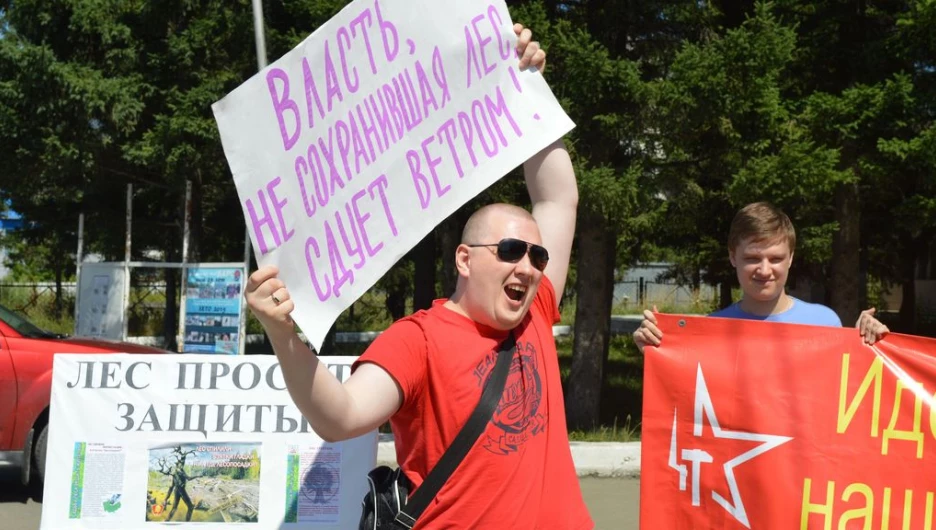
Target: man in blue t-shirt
761, 241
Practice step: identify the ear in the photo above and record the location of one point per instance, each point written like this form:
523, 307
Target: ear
731, 257
463, 260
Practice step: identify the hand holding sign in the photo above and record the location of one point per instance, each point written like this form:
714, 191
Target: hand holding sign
529, 50
348, 150
269, 300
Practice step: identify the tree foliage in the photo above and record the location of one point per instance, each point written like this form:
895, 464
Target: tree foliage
684, 112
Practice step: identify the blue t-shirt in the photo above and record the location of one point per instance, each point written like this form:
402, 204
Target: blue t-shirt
800, 313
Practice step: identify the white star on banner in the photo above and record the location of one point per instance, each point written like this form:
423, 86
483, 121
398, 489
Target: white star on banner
703, 405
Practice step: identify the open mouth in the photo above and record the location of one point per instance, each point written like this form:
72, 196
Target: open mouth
515, 292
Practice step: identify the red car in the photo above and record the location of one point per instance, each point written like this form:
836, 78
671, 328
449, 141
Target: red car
26, 385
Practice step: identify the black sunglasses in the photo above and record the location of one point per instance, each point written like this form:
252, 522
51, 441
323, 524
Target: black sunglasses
512, 250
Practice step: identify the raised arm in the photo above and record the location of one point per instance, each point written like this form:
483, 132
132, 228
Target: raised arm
335, 412
550, 180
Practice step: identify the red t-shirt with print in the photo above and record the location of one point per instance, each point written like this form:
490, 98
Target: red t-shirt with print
519, 474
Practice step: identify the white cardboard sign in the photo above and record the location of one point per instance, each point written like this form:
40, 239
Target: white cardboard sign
352, 147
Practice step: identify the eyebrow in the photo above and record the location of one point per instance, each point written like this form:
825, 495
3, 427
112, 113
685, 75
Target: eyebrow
767, 254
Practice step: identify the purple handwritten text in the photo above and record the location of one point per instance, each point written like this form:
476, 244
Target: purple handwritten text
477, 40
340, 77
480, 126
279, 233
347, 238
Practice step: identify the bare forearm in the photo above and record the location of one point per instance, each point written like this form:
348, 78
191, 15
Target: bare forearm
318, 394
335, 411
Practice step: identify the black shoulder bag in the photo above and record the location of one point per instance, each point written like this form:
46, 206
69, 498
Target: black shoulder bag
386, 506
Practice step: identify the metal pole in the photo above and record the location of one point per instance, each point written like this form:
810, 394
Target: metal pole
242, 329
186, 230
261, 64
186, 235
78, 258
258, 35
126, 290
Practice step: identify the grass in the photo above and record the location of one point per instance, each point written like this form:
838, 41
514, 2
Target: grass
629, 432
39, 308
699, 306
621, 390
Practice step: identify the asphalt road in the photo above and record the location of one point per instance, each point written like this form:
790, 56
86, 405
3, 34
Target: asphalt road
612, 502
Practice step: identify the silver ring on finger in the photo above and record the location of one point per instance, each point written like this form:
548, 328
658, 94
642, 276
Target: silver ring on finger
275, 299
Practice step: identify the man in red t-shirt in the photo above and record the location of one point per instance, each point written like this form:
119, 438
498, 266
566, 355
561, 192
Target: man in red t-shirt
426, 372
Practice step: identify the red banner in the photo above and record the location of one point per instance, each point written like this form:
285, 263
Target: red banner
779, 426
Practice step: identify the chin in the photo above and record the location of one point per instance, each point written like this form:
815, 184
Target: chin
506, 317
505, 323
761, 296
509, 321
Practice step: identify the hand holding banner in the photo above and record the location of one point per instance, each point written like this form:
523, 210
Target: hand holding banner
762, 425
348, 150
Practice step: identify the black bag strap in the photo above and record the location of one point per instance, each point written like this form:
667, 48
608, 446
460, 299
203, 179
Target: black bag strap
465, 439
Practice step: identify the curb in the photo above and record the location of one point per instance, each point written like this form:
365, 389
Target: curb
592, 459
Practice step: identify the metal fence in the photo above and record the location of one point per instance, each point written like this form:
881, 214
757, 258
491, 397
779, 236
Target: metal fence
36, 300
640, 293
29, 297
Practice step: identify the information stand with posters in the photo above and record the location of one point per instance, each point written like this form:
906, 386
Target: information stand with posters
213, 308
196, 441
100, 300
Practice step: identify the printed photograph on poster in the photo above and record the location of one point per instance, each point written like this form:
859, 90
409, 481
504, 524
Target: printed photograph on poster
97, 481
212, 310
204, 483
313, 484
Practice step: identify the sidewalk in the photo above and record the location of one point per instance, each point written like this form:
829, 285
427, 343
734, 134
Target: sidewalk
592, 459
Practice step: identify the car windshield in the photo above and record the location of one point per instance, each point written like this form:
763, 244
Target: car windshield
23, 326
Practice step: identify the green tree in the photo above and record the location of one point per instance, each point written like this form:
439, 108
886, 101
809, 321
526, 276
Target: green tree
56, 117
843, 78
720, 117
125, 90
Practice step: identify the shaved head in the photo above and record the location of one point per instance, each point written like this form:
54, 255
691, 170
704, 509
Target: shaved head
492, 289
479, 225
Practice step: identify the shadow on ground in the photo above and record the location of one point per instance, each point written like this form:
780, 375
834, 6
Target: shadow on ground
13, 490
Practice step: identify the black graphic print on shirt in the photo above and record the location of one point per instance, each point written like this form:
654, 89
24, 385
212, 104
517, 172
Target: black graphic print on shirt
520, 414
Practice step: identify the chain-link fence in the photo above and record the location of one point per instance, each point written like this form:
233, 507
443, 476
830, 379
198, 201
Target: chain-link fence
38, 302
30, 297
